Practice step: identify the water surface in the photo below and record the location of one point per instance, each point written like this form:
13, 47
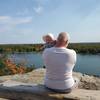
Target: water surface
89, 64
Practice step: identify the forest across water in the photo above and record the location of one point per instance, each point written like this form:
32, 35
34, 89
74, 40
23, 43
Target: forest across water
84, 48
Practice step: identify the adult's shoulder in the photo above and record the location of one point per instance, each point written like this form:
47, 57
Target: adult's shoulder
46, 52
72, 51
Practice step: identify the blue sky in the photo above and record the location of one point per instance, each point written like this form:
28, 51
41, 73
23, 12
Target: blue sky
26, 21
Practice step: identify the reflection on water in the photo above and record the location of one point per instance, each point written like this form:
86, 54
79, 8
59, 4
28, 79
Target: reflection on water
27, 59
89, 64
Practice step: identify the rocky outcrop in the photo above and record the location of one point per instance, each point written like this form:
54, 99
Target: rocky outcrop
30, 85
88, 82
22, 91
37, 77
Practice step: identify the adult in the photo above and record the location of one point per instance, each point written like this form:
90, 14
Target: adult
59, 62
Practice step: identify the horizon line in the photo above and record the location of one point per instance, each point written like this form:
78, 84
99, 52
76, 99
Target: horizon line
41, 43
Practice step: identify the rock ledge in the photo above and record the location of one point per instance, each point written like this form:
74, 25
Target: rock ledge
30, 87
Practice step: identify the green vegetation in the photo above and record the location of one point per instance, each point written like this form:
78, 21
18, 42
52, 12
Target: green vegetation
12, 48
85, 48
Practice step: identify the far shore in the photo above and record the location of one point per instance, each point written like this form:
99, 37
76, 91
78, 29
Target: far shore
83, 48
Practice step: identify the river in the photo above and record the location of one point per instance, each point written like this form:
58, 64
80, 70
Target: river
88, 64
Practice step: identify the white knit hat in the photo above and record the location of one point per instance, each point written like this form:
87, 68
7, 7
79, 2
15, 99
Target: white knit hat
50, 35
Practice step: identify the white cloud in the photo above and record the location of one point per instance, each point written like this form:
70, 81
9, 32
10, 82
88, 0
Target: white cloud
8, 23
15, 20
40, 5
38, 9
23, 20
4, 19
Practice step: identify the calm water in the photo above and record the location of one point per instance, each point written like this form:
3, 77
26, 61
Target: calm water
89, 64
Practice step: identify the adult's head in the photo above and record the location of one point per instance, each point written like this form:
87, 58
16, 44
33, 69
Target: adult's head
62, 39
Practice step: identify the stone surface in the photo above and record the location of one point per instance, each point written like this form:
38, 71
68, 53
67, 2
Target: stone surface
21, 87
24, 91
37, 77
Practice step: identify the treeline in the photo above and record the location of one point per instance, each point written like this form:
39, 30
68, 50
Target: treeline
12, 48
85, 48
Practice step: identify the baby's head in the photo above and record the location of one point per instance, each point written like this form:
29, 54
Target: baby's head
48, 38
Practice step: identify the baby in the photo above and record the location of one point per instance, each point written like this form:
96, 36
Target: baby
49, 40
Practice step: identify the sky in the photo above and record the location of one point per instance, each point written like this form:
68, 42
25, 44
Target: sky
26, 21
